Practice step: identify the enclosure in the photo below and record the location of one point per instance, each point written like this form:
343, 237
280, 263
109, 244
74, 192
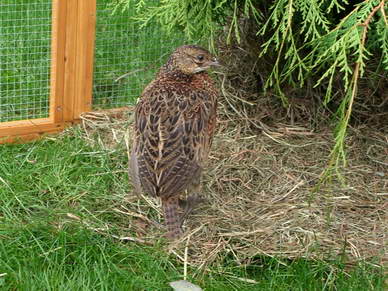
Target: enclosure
62, 58
67, 205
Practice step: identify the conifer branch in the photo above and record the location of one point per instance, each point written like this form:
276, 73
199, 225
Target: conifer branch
338, 153
325, 41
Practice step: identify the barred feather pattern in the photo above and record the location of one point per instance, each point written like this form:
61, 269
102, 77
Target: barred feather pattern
173, 221
174, 126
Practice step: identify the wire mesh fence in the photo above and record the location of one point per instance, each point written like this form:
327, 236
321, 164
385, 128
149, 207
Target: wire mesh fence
126, 59
125, 50
25, 38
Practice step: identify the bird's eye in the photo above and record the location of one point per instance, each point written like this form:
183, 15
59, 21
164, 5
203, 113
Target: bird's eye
200, 57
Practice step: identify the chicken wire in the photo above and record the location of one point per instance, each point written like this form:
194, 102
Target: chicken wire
25, 38
126, 56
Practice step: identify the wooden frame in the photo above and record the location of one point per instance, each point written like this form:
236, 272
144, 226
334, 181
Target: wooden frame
72, 54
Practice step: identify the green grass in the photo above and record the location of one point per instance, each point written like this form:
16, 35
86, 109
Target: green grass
121, 47
42, 248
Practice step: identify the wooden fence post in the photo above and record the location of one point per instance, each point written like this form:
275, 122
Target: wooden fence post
58, 58
78, 60
85, 56
72, 58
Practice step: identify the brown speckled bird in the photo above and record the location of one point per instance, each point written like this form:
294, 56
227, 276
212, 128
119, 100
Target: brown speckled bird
175, 120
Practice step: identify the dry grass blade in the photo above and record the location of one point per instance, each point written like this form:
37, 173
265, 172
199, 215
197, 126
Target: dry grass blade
260, 200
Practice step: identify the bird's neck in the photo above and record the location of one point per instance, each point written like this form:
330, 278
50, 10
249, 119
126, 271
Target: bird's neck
202, 80
175, 74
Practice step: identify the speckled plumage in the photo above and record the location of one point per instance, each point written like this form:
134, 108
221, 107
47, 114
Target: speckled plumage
174, 126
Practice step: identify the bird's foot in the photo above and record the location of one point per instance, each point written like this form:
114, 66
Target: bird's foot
188, 205
191, 202
174, 234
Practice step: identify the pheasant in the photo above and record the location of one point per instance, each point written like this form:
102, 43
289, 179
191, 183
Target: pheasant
174, 126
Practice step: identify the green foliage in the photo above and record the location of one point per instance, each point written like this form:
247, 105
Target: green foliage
198, 18
323, 41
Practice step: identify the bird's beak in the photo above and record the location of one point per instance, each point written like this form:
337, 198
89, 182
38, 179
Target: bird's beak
215, 63
208, 65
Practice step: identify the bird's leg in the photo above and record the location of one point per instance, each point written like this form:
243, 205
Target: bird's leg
192, 201
170, 209
188, 206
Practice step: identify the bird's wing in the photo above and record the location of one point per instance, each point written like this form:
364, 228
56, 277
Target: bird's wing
172, 139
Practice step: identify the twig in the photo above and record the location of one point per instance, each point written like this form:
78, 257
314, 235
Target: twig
132, 239
138, 215
356, 76
98, 230
289, 192
186, 258
243, 233
372, 159
383, 13
369, 18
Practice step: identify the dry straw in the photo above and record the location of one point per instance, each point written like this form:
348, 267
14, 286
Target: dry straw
262, 184
260, 199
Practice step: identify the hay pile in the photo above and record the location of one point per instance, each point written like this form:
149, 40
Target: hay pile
262, 184
260, 199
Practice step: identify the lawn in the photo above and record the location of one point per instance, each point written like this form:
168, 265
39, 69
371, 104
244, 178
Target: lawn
57, 224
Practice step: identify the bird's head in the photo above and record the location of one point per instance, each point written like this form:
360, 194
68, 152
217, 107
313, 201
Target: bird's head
191, 59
